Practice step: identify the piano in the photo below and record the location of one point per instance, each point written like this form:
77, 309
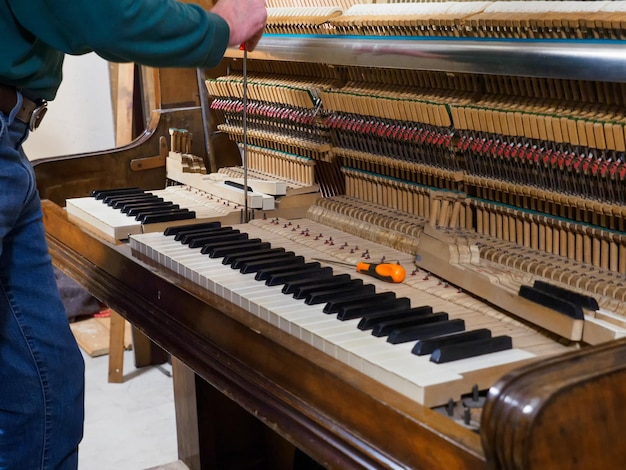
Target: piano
478, 144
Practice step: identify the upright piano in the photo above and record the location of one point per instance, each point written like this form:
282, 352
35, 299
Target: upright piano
481, 145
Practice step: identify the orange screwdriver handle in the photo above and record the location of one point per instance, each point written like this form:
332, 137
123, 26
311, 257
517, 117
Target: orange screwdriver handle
389, 272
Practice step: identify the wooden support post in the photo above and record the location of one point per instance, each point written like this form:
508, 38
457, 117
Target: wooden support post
186, 414
124, 103
116, 348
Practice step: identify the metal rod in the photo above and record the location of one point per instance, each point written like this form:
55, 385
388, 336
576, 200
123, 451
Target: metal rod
599, 60
245, 135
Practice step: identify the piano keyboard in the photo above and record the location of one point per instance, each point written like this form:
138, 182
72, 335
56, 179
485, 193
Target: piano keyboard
417, 377
111, 222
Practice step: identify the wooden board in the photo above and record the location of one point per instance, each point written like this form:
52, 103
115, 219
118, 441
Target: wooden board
92, 335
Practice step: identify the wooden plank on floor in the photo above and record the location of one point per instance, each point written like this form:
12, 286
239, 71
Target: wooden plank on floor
128, 337
92, 335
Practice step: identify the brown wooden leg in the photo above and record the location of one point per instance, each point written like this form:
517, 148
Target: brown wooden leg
230, 437
186, 414
116, 348
146, 352
215, 432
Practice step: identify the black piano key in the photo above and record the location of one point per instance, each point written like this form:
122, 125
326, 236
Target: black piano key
160, 217
336, 304
186, 237
215, 240
386, 327
237, 257
312, 273
259, 257
274, 261
427, 346
346, 291
264, 274
184, 228
414, 333
118, 201
455, 352
357, 310
141, 217
126, 208
585, 301
110, 200
134, 211
234, 184
305, 287
228, 248
292, 287
250, 243
368, 321
102, 193
240, 261
122, 204
553, 302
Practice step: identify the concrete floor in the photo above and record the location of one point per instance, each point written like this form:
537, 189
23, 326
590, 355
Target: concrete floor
128, 426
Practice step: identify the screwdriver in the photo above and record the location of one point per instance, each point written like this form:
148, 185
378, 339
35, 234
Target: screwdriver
388, 272
244, 119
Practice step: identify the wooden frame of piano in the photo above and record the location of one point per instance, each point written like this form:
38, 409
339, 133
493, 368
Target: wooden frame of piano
341, 418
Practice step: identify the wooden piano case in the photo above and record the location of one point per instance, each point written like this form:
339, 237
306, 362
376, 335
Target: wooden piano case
560, 413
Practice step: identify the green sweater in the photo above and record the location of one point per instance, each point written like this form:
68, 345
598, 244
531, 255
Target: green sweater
35, 35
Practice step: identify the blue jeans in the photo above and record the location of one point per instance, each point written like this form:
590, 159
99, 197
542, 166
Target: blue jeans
41, 368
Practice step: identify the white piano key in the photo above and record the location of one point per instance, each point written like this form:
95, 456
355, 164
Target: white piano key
91, 212
249, 294
95, 213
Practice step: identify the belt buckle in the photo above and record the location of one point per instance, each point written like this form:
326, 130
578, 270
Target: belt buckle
37, 115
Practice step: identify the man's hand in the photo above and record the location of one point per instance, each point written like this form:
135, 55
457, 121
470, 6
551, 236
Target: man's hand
246, 19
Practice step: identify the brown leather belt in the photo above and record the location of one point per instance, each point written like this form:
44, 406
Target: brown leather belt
31, 112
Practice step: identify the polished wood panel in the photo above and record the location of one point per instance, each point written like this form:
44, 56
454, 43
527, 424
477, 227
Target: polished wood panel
74, 176
565, 412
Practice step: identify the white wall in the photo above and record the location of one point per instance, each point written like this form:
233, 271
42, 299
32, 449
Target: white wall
80, 119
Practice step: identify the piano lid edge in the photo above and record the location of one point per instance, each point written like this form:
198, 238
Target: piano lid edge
68, 176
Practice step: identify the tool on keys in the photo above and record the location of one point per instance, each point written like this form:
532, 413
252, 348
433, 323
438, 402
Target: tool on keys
389, 272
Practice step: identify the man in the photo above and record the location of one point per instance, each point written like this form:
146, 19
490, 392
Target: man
41, 369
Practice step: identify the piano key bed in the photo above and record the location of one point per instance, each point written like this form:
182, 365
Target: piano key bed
119, 213
411, 336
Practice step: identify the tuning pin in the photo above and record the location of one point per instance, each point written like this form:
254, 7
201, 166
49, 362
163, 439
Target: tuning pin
467, 416
474, 399
450, 407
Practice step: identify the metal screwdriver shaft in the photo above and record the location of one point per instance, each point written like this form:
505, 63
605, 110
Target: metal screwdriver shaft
245, 134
